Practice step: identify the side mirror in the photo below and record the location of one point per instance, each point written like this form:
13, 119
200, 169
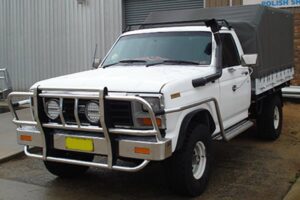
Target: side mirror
96, 63
249, 59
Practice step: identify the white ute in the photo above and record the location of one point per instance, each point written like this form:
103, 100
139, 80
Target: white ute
163, 93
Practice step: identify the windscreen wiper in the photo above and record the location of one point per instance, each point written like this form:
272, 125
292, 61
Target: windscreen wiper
178, 62
125, 62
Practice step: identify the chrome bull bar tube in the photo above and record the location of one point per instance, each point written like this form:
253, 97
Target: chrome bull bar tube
100, 95
142, 101
35, 123
89, 164
11, 104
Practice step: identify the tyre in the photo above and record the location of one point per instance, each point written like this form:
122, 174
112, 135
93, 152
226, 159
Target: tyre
269, 123
67, 170
188, 169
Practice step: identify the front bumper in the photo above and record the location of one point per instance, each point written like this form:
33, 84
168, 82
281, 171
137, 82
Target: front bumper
32, 133
126, 147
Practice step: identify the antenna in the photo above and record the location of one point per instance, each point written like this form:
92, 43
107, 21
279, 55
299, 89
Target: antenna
94, 58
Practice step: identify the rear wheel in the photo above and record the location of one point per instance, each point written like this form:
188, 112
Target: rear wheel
269, 123
188, 169
67, 170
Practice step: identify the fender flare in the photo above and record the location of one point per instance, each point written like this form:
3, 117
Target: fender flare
202, 116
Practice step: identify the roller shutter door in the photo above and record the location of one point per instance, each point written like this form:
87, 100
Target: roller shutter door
137, 10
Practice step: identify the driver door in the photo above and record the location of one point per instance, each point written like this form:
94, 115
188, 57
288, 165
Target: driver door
235, 84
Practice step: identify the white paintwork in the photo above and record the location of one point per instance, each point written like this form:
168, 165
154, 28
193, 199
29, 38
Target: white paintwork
234, 104
169, 29
268, 82
126, 79
189, 95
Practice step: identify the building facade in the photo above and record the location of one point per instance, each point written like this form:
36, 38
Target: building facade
41, 39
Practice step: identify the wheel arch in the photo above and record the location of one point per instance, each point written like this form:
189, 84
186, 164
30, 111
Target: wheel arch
200, 116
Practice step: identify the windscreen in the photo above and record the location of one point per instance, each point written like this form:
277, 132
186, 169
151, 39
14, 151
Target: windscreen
163, 46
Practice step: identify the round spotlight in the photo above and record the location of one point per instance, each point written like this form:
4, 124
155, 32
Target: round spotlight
92, 112
52, 109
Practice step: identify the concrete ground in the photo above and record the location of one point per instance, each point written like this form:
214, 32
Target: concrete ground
246, 168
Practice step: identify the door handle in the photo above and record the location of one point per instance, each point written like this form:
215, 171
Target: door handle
245, 73
231, 69
234, 88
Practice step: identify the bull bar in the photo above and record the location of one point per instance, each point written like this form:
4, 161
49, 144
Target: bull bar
160, 149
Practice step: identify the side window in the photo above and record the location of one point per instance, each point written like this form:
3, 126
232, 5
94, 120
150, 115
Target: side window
230, 53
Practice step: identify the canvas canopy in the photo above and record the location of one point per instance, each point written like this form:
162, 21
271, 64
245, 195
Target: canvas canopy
262, 30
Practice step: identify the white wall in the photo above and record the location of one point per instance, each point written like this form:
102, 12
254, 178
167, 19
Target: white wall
45, 38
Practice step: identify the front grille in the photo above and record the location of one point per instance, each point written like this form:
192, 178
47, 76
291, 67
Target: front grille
68, 111
118, 112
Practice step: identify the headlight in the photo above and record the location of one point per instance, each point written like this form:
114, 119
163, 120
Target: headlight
154, 102
141, 116
92, 112
52, 109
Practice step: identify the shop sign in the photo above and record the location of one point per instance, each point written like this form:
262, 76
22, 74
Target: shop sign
274, 3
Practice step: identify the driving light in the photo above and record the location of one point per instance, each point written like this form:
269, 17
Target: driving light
52, 109
92, 112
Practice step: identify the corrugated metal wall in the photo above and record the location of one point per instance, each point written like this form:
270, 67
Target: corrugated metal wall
40, 39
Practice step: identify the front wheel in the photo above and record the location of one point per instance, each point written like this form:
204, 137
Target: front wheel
269, 122
188, 169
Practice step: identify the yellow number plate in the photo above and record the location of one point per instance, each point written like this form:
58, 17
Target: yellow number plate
79, 144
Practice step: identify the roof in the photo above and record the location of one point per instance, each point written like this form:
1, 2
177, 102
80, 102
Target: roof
169, 29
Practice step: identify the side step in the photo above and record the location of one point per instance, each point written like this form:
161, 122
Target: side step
235, 130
